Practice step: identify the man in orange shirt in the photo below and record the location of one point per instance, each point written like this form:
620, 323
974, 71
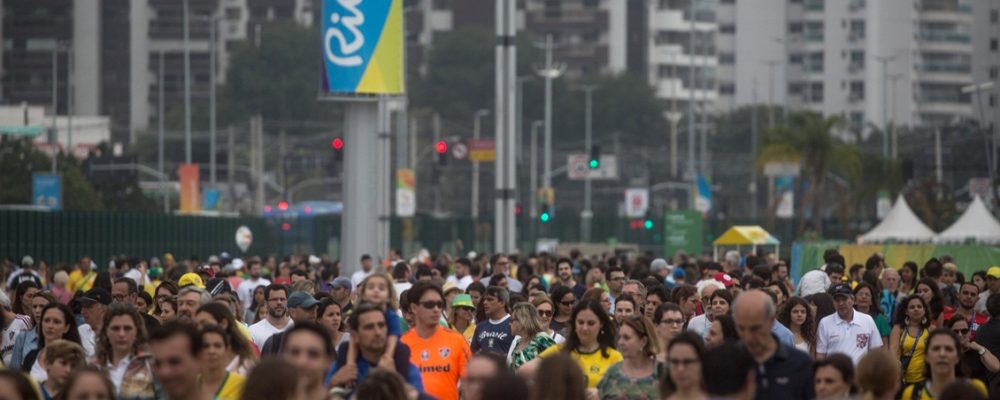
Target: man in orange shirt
439, 353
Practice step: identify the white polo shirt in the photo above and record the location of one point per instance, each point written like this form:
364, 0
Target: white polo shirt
854, 338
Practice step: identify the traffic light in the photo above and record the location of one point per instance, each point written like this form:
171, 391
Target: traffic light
283, 205
595, 157
544, 216
337, 144
648, 224
441, 147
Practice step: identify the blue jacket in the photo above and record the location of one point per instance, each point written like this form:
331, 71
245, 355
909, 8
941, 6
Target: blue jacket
24, 343
411, 375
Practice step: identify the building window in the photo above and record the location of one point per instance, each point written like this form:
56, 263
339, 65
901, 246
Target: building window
727, 88
857, 120
727, 28
591, 3
728, 1
816, 92
993, 44
857, 92
994, 16
994, 72
795, 28
795, 58
727, 58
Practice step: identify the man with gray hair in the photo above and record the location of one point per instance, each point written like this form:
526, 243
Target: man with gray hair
494, 334
731, 262
189, 300
783, 372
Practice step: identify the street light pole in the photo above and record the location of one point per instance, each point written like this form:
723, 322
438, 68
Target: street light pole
690, 111
533, 170
187, 87
159, 120
587, 216
476, 126
885, 60
549, 73
54, 137
211, 102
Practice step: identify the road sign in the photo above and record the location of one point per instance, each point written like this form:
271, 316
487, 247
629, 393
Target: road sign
773, 169
578, 168
483, 150
683, 231
459, 151
47, 191
636, 202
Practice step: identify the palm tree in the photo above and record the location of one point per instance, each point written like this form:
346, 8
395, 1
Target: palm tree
808, 139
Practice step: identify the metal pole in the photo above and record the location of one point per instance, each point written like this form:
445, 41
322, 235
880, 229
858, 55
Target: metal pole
69, 100
160, 131
674, 119
476, 132
770, 93
54, 142
505, 228
533, 170
892, 131
359, 229
690, 112
753, 149
586, 217
187, 87
885, 119
211, 102
231, 166
547, 168
938, 172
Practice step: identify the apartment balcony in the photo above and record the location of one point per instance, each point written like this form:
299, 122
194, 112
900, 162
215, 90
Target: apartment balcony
569, 20
944, 107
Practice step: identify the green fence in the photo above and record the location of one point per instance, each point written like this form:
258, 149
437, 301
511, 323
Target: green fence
65, 236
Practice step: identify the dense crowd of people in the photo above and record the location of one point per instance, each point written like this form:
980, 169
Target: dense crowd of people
482, 327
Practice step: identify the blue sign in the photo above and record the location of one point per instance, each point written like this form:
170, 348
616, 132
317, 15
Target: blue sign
47, 191
363, 46
210, 199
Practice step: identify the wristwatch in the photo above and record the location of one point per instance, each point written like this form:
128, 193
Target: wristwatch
982, 350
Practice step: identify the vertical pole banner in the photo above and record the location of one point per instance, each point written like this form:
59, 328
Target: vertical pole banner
363, 47
406, 193
189, 187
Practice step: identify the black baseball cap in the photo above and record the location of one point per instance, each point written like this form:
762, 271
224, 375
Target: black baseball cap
840, 289
96, 295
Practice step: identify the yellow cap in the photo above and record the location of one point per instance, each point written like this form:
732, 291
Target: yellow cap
993, 272
191, 278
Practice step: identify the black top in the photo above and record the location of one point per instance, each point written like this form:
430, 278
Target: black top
786, 375
988, 335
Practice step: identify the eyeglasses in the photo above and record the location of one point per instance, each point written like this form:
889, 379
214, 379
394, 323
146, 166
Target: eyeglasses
432, 304
544, 313
962, 332
672, 321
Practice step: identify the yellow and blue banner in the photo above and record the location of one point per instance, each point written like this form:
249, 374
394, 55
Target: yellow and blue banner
363, 46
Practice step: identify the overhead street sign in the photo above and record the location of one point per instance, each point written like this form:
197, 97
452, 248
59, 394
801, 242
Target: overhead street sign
459, 151
482, 150
577, 167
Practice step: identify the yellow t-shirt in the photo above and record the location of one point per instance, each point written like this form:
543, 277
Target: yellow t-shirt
924, 395
232, 387
915, 370
593, 364
78, 282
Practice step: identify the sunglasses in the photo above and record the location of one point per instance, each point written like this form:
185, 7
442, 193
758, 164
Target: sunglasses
962, 332
432, 305
545, 313
567, 303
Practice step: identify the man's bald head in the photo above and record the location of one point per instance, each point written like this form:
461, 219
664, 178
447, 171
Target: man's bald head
752, 302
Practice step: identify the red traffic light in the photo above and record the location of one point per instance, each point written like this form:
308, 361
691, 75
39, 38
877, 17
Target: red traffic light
441, 147
283, 205
337, 143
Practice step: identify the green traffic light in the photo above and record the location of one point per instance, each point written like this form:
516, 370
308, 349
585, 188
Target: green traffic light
648, 224
544, 217
594, 164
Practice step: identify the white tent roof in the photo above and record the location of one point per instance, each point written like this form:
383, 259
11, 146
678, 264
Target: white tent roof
901, 225
976, 223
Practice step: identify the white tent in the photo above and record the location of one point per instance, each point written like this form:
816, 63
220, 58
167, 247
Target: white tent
977, 223
900, 225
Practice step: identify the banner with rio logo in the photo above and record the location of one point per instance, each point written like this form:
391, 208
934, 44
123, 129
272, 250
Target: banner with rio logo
363, 46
